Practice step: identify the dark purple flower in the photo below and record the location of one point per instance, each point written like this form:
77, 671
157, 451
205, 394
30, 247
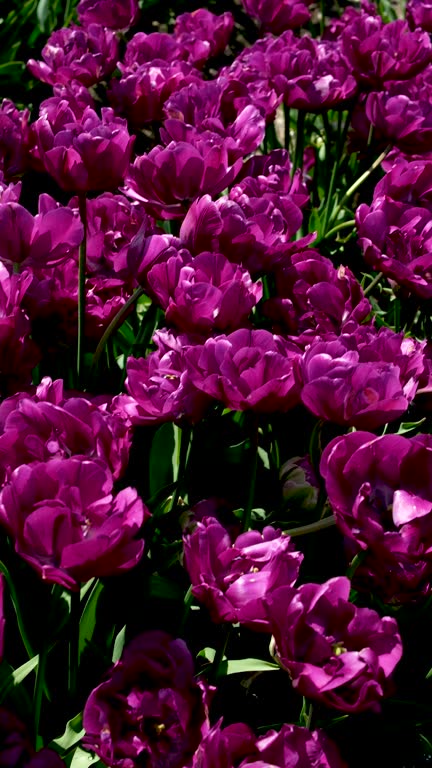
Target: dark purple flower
41, 427
224, 747
381, 52
315, 298
141, 92
86, 154
149, 710
74, 53
294, 747
203, 293
232, 576
18, 353
272, 173
143, 49
248, 370
364, 379
252, 68
276, 16
160, 386
44, 240
14, 139
16, 750
114, 14
66, 523
396, 231
334, 652
168, 176
419, 14
203, 34
381, 493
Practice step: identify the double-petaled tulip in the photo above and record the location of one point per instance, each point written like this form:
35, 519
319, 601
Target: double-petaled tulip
114, 14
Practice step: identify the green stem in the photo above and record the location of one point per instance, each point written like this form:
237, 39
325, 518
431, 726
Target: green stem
319, 525
372, 284
344, 225
355, 562
252, 474
115, 323
74, 626
220, 652
82, 263
184, 442
38, 694
286, 111
358, 182
15, 603
299, 141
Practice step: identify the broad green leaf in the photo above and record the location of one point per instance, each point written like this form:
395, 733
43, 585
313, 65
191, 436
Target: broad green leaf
238, 666
88, 618
73, 733
82, 759
42, 13
10, 677
162, 449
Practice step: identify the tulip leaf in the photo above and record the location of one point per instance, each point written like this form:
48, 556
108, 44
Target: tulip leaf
162, 450
119, 644
42, 13
238, 666
9, 677
73, 733
88, 618
82, 759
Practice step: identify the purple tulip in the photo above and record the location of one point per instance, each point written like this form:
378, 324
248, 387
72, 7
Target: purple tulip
419, 14
18, 353
85, 154
141, 93
168, 176
161, 387
233, 576
252, 67
381, 52
364, 380
205, 293
294, 747
149, 709
73, 53
44, 240
224, 747
313, 297
41, 427
14, 139
334, 652
381, 493
114, 14
66, 523
203, 34
143, 49
276, 16
271, 173
402, 114
16, 750
248, 370
395, 230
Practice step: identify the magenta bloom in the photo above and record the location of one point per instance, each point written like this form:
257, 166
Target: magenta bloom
74, 53
395, 230
313, 297
16, 750
161, 387
18, 353
203, 34
204, 293
381, 52
160, 46
114, 14
224, 747
294, 747
232, 577
44, 240
66, 523
168, 176
381, 493
149, 710
86, 154
334, 652
141, 92
419, 14
248, 370
50, 425
402, 114
276, 16
364, 380
14, 139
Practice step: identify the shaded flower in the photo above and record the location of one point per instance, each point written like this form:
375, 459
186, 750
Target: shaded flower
419, 14
114, 14
73, 53
232, 576
66, 523
276, 16
149, 709
16, 750
334, 652
294, 747
14, 139
203, 34
380, 491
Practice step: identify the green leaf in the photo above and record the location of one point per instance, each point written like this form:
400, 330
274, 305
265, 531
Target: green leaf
73, 733
10, 677
119, 644
12, 69
88, 618
410, 426
82, 759
237, 666
161, 453
42, 13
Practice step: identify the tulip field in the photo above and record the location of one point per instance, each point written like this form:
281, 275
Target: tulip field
215, 384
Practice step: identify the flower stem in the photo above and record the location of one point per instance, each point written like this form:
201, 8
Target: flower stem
74, 626
183, 446
372, 284
15, 603
319, 525
343, 225
299, 142
252, 474
115, 323
82, 203
38, 694
358, 182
